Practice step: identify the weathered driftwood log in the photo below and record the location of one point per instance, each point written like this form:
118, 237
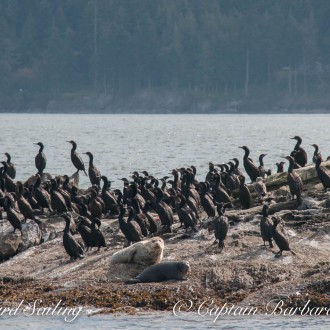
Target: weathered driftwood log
308, 175
273, 208
277, 180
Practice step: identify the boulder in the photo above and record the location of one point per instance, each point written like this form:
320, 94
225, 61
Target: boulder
12, 243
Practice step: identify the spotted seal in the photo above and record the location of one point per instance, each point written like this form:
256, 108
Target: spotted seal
145, 253
164, 271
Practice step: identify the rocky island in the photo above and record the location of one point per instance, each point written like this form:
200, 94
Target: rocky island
244, 273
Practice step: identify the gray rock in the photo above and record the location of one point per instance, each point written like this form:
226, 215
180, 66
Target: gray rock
12, 243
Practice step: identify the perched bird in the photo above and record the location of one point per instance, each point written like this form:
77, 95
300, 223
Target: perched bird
266, 226
300, 154
279, 238
210, 174
261, 167
252, 171
316, 153
40, 159
153, 223
322, 172
185, 214
221, 225
206, 200
11, 170
133, 229
41, 195
84, 229
57, 200
23, 205
244, 193
93, 173
72, 247
12, 216
163, 210
280, 167
76, 159
260, 187
97, 238
294, 181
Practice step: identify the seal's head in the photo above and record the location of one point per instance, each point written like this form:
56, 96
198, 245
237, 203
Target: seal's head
184, 267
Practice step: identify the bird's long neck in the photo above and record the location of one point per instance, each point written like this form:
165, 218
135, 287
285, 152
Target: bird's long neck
265, 213
298, 144
105, 185
246, 153
91, 158
261, 160
67, 226
291, 163
8, 158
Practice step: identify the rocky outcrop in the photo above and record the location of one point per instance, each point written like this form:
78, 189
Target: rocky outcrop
12, 243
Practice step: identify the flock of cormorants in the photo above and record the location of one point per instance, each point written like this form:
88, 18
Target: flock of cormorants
149, 203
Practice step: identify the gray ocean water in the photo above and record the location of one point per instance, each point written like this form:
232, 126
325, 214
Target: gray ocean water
157, 143
164, 321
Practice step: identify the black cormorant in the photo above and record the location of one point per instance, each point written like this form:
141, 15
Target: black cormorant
244, 193
323, 173
57, 200
185, 214
294, 181
266, 226
316, 153
76, 159
252, 171
133, 228
221, 225
261, 167
109, 199
93, 173
40, 159
23, 205
279, 238
11, 170
10, 185
237, 170
300, 156
97, 238
41, 195
163, 210
85, 232
280, 167
206, 200
73, 248
153, 223
12, 216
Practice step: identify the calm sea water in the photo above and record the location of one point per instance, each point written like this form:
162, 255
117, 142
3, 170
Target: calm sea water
165, 321
122, 144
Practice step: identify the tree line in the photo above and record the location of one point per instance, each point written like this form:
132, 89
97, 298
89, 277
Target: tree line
225, 47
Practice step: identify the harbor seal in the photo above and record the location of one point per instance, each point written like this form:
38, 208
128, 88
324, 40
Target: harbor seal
164, 271
145, 253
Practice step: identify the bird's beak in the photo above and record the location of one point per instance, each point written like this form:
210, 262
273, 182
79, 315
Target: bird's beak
240, 147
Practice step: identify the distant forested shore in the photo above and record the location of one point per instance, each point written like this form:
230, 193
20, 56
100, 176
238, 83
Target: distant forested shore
164, 56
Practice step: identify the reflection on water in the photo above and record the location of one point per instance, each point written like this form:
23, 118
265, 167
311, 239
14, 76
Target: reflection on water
156, 143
